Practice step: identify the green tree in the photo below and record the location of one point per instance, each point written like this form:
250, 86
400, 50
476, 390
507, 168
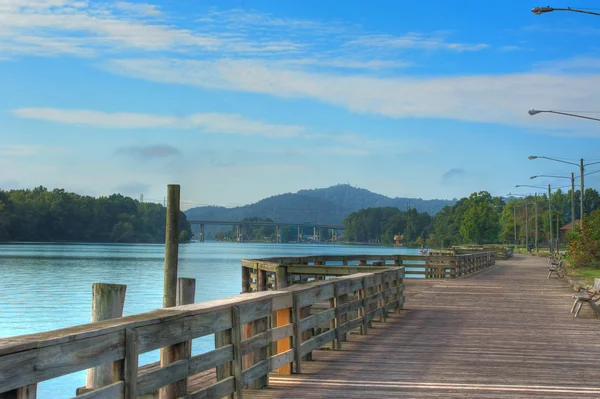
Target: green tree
480, 221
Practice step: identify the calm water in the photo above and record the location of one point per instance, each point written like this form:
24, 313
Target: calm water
48, 286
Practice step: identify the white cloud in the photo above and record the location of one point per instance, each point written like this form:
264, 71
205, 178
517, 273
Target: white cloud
413, 40
206, 122
25, 150
101, 28
506, 49
139, 8
84, 28
575, 64
502, 99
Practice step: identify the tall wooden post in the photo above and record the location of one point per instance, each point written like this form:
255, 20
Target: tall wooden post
171, 247
171, 353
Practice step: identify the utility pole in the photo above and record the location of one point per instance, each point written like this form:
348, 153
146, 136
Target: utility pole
550, 216
536, 224
515, 223
572, 201
582, 193
526, 227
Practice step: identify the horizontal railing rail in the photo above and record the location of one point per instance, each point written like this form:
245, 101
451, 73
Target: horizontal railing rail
280, 272
255, 334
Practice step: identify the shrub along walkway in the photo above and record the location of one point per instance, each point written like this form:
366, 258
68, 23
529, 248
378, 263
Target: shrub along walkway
503, 332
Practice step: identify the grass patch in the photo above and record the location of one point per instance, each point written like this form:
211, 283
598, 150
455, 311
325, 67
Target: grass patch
588, 275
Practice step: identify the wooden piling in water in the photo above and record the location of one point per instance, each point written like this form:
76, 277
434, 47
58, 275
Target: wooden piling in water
107, 304
172, 353
186, 293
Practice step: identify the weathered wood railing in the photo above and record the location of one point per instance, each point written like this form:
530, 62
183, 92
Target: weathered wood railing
255, 334
280, 272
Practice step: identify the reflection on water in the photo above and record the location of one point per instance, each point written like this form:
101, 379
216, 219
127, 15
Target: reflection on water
48, 286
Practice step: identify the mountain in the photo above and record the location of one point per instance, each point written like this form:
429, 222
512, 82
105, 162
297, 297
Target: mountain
324, 205
354, 198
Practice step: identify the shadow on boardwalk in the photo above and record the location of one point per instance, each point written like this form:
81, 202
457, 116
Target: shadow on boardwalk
503, 332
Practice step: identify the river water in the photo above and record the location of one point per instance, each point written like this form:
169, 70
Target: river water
48, 286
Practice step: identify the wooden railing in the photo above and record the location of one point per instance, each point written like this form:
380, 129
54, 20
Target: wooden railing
255, 334
281, 272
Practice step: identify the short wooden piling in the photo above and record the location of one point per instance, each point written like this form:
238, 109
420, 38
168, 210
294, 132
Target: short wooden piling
107, 304
186, 293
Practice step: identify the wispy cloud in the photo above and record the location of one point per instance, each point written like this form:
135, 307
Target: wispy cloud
585, 64
94, 29
478, 98
205, 122
26, 150
138, 8
148, 152
414, 40
508, 48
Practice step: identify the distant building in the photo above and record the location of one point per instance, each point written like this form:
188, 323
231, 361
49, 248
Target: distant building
562, 234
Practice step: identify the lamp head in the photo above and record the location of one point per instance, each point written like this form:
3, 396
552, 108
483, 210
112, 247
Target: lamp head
541, 10
533, 177
518, 185
532, 157
533, 112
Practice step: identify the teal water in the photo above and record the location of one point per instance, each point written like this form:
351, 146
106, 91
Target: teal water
48, 286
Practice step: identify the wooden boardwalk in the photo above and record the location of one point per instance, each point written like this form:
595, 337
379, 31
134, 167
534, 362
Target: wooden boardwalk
503, 332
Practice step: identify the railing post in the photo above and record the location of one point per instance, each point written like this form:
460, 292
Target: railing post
107, 304
261, 279
236, 338
281, 277
245, 279
337, 321
131, 363
363, 294
259, 326
282, 318
399, 282
297, 334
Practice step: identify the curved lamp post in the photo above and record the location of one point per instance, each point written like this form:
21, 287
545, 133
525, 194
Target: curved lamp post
543, 10
572, 194
581, 166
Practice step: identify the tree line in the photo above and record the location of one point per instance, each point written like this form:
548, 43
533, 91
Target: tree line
477, 219
57, 215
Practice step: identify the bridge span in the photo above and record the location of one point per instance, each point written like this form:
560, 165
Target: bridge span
278, 227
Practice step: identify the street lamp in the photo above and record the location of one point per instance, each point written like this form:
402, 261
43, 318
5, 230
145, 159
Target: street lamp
537, 111
572, 194
581, 166
543, 10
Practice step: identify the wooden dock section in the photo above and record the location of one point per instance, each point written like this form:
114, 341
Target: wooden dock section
503, 332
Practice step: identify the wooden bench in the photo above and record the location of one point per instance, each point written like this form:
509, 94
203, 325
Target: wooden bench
556, 266
590, 295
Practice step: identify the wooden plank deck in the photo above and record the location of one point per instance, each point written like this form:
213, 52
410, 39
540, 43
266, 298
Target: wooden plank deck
503, 332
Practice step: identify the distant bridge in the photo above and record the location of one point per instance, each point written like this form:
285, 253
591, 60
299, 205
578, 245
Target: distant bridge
278, 227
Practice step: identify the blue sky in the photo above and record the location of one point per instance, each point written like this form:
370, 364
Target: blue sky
239, 100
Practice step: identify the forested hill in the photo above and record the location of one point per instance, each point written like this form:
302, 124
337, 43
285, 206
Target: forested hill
354, 199
326, 205
42, 215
